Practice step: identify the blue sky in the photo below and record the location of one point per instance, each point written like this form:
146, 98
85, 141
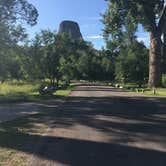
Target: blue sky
85, 12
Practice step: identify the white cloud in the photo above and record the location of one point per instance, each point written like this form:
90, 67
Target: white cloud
95, 37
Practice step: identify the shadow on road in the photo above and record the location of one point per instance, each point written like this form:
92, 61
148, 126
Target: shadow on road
82, 152
136, 128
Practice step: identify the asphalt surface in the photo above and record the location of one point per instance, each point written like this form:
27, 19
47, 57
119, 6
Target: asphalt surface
101, 126
11, 111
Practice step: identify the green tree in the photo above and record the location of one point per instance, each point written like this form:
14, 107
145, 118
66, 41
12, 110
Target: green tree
51, 55
34, 58
68, 68
151, 14
107, 62
17, 10
13, 12
132, 64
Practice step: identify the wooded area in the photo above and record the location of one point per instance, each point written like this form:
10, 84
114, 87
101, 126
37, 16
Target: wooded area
54, 56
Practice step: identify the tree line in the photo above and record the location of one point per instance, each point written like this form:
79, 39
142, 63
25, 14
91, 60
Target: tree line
56, 57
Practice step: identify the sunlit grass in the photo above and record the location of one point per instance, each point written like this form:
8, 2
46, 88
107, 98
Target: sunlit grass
16, 91
158, 92
65, 92
7, 88
144, 89
23, 91
62, 92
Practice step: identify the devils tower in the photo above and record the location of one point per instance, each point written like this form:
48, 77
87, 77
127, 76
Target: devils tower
71, 28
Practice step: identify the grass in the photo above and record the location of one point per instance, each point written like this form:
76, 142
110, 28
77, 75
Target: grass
17, 92
158, 92
145, 90
62, 92
65, 92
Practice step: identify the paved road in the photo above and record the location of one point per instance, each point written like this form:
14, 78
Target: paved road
12, 111
101, 126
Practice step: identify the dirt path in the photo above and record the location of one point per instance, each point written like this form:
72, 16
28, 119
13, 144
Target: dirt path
101, 126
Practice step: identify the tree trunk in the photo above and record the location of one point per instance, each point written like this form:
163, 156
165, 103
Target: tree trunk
155, 60
57, 81
164, 49
164, 53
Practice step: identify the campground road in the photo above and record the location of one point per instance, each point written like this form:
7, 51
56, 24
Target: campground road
102, 126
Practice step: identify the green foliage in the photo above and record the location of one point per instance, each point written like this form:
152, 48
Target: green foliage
58, 57
121, 20
164, 80
13, 12
17, 10
126, 14
132, 64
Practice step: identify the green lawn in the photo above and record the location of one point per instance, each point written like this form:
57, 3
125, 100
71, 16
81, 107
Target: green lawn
145, 90
158, 92
17, 92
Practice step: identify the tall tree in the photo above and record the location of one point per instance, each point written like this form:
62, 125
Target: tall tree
13, 12
17, 10
152, 16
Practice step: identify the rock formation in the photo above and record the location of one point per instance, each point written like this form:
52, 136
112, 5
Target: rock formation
71, 28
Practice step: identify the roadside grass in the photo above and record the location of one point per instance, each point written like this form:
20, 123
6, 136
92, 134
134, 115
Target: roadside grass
158, 92
64, 92
144, 89
15, 91
20, 92
134, 87
19, 137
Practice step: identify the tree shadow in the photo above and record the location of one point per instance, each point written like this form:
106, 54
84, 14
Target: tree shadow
135, 114
125, 120
77, 152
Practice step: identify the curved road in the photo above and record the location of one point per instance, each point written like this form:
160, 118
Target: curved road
101, 126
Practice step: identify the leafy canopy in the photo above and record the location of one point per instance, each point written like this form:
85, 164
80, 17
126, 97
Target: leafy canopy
123, 16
